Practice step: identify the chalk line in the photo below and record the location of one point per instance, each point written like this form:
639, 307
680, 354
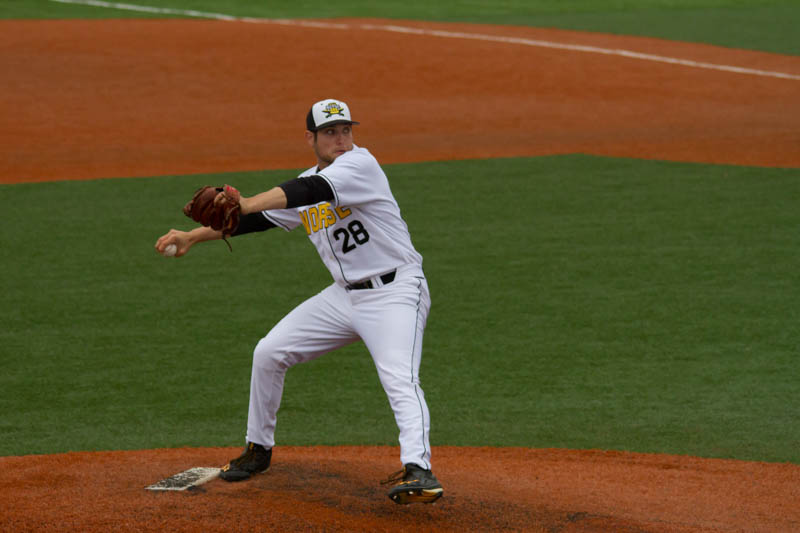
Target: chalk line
436, 33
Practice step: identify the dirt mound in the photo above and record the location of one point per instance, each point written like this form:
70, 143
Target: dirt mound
338, 489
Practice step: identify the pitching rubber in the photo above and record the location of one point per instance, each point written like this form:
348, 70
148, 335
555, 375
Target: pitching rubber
187, 479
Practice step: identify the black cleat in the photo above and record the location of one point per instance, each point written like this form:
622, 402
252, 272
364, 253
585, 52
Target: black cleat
254, 460
414, 484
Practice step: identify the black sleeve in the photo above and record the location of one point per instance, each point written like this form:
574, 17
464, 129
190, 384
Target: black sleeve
252, 222
306, 191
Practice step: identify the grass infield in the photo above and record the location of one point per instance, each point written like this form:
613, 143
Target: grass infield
578, 302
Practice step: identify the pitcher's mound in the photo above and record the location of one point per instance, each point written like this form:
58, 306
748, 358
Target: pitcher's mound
338, 489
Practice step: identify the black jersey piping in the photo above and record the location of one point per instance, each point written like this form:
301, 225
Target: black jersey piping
335, 194
416, 388
274, 221
327, 236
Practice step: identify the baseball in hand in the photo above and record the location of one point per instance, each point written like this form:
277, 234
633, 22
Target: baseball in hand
170, 250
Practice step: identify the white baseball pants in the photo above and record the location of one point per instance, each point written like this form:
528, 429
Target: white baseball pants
391, 322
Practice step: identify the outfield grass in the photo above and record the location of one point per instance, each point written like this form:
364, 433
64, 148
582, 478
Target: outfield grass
578, 302
768, 25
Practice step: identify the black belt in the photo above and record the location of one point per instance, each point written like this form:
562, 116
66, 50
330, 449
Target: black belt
385, 279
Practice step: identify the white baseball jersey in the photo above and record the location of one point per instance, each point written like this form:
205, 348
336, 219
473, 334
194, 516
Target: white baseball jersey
361, 234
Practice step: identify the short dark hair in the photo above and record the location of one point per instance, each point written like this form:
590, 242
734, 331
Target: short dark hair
310, 126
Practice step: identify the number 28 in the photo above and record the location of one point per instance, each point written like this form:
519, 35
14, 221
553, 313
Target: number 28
356, 232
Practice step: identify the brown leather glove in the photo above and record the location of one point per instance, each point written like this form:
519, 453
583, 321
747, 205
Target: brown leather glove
216, 207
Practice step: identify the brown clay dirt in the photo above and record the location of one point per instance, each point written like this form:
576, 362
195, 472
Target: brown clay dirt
110, 98
338, 489
113, 98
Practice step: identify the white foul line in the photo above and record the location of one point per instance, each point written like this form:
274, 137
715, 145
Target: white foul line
437, 33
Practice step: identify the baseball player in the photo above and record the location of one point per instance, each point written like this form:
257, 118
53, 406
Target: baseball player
379, 292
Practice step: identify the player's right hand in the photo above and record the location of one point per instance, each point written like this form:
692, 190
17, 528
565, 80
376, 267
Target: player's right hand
179, 238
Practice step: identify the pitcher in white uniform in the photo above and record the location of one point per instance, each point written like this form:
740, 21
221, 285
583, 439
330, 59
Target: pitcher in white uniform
379, 294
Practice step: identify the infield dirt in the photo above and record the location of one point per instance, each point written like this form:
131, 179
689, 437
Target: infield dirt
112, 98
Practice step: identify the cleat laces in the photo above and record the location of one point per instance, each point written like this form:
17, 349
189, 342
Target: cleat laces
394, 478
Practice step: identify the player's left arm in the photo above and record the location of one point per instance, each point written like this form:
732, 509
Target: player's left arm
250, 216
293, 193
274, 198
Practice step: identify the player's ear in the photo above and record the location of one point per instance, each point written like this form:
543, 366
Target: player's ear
310, 138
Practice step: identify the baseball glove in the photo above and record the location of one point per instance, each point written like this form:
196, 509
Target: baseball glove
216, 207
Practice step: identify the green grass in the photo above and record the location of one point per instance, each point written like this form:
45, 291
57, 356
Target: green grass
768, 25
578, 302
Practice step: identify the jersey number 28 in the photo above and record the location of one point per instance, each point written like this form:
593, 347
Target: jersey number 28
356, 232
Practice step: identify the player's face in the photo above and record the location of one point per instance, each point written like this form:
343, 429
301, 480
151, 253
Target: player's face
330, 143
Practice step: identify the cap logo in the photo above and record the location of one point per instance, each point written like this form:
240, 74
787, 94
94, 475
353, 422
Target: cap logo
333, 108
